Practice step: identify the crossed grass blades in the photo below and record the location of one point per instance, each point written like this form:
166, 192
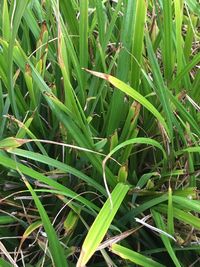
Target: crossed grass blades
99, 133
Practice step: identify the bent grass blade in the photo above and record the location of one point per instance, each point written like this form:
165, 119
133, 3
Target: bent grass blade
132, 93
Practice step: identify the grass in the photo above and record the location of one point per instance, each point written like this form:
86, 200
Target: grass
99, 133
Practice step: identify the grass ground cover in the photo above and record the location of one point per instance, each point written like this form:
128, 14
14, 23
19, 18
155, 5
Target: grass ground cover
99, 133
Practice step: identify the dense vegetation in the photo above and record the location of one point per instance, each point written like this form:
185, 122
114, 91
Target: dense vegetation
99, 133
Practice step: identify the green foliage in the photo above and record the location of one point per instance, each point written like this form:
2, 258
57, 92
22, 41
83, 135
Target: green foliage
99, 132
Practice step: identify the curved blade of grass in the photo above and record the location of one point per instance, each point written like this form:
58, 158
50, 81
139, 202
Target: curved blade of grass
11, 164
142, 221
141, 140
133, 256
32, 227
59, 165
55, 247
101, 224
194, 149
132, 93
138, 140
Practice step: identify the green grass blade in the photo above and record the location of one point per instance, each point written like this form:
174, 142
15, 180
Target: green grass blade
168, 40
144, 206
195, 149
187, 203
17, 12
122, 69
134, 257
190, 35
83, 31
178, 5
83, 40
9, 163
74, 129
5, 22
138, 39
101, 224
60, 127
181, 215
6, 219
55, 247
139, 140
193, 6
170, 215
184, 114
4, 263
101, 17
69, 10
160, 224
185, 70
134, 94
160, 88
59, 165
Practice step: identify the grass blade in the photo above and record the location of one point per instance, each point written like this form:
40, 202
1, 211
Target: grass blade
123, 69
138, 39
160, 224
55, 248
185, 217
59, 165
168, 40
170, 215
134, 257
9, 163
134, 94
5, 263
101, 224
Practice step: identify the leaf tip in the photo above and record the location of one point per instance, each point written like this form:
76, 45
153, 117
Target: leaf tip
98, 74
81, 259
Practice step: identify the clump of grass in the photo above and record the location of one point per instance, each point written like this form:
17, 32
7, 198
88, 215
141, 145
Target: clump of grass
99, 133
